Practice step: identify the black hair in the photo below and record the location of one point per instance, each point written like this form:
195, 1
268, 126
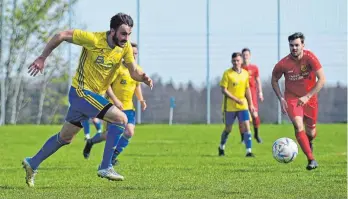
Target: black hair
236, 54
297, 35
120, 19
246, 49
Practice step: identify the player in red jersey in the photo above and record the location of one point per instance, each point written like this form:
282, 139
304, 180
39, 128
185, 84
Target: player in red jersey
301, 69
256, 92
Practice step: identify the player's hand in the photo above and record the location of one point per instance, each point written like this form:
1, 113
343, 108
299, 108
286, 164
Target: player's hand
261, 97
143, 105
148, 81
302, 100
284, 105
37, 66
251, 108
118, 104
239, 101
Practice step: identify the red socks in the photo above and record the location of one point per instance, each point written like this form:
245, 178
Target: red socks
256, 122
304, 143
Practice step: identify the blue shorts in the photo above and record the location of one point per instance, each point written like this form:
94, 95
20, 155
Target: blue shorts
131, 116
85, 104
230, 116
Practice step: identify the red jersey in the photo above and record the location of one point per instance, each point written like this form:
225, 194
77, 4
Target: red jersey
299, 75
253, 71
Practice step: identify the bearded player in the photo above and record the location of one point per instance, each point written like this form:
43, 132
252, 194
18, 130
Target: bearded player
304, 77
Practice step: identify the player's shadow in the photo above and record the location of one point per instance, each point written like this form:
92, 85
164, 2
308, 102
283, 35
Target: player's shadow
6, 187
156, 155
209, 156
58, 168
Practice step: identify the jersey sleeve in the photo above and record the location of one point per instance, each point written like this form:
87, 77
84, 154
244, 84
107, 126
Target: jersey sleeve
277, 70
83, 38
128, 54
224, 80
314, 62
257, 71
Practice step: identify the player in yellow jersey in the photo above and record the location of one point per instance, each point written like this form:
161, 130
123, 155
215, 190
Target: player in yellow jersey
102, 54
236, 103
121, 93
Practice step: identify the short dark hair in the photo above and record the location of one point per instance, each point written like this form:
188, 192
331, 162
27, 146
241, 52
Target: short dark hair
134, 45
119, 19
236, 54
245, 49
296, 35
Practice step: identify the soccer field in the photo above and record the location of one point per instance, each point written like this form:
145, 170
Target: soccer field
177, 161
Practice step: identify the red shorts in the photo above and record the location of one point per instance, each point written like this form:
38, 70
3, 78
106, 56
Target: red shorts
309, 112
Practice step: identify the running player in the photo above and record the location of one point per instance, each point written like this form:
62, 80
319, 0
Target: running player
301, 69
102, 53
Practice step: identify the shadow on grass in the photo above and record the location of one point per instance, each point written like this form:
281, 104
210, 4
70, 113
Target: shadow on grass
6, 187
57, 168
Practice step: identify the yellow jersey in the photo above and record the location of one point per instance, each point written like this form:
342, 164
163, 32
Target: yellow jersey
236, 84
124, 87
98, 62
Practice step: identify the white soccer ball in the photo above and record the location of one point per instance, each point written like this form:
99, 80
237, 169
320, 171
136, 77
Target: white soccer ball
284, 150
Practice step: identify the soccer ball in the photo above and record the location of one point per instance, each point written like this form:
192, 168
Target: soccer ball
284, 150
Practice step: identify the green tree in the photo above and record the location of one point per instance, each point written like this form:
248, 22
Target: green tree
27, 26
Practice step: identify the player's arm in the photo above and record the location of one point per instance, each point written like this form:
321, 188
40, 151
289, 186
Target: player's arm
137, 74
319, 72
56, 40
259, 87
276, 75
319, 84
249, 99
114, 99
38, 64
229, 95
139, 94
248, 95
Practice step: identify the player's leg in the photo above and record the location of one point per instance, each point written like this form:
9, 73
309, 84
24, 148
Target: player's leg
116, 125
244, 117
310, 119
98, 124
96, 105
296, 116
228, 118
97, 138
241, 130
311, 131
126, 136
85, 125
256, 124
55, 142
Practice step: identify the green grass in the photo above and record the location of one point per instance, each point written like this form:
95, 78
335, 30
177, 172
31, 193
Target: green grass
177, 161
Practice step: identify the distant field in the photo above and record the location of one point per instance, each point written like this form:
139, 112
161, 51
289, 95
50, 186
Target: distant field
177, 161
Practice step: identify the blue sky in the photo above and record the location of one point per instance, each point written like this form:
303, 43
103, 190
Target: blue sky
173, 33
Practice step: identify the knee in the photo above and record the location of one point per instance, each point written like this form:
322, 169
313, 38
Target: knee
129, 133
311, 132
64, 139
228, 129
121, 118
298, 126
